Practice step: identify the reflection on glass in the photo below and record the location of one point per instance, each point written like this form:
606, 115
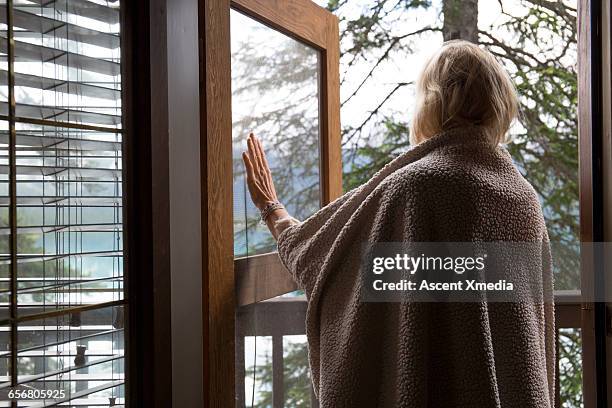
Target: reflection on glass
275, 95
545, 139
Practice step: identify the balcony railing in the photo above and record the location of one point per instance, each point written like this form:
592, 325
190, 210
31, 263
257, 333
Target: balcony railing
277, 318
274, 319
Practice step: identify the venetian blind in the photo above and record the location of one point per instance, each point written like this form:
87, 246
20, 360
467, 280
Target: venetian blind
61, 242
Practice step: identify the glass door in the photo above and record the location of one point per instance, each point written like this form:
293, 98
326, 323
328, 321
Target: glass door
280, 91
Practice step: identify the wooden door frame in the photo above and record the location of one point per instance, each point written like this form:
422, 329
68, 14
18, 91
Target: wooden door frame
590, 113
294, 18
145, 64
607, 168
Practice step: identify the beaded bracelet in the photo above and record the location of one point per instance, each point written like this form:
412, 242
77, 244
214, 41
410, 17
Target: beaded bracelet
265, 213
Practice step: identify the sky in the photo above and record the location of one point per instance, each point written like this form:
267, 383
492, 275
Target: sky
405, 67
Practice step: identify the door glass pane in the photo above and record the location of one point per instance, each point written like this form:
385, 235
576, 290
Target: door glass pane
275, 94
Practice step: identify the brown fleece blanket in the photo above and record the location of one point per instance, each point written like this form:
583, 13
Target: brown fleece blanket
454, 187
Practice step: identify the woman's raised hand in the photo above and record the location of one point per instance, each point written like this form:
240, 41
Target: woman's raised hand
259, 177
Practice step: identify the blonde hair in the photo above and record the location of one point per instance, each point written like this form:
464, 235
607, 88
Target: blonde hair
462, 85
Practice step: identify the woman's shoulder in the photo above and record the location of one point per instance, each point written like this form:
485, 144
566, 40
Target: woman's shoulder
430, 170
449, 174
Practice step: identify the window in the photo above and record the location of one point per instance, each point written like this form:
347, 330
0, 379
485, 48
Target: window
61, 271
285, 115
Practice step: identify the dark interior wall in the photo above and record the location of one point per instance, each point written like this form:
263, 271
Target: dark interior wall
185, 203
146, 204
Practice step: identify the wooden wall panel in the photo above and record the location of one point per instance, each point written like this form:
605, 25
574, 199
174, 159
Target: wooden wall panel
185, 208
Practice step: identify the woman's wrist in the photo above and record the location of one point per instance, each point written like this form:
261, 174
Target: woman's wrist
278, 214
268, 208
273, 218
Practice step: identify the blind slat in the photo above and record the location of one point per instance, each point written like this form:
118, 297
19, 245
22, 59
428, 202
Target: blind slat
38, 25
37, 53
58, 85
83, 8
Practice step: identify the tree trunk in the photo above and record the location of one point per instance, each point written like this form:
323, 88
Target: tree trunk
460, 20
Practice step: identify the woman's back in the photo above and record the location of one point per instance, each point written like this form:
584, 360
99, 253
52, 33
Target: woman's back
456, 187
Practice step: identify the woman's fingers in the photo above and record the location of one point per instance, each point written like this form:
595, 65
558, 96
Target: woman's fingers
259, 177
252, 153
257, 194
263, 162
251, 180
259, 154
269, 185
248, 164
264, 158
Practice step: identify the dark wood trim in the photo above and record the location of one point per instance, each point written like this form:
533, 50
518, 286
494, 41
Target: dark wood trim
568, 315
289, 312
607, 166
591, 200
557, 376
216, 189
278, 396
160, 202
146, 252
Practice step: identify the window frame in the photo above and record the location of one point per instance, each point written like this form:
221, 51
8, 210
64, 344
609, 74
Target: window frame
592, 317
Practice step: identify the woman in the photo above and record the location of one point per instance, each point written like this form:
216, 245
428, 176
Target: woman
457, 184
